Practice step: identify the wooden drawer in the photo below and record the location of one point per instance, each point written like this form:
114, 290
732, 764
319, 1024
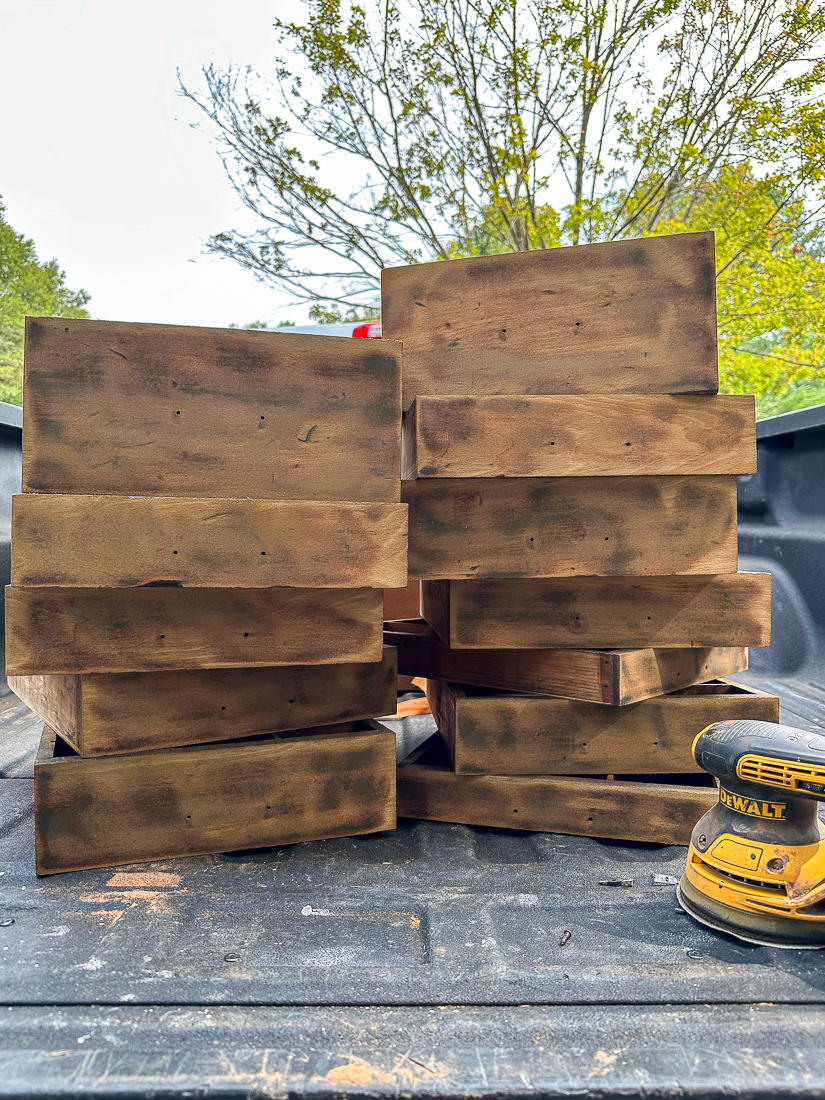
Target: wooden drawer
100, 714
727, 609
616, 677
151, 629
501, 733
662, 812
569, 526
594, 435
136, 409
635, 316
116, 542
210, 798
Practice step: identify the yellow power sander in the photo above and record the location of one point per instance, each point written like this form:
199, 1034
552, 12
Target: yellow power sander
756, 863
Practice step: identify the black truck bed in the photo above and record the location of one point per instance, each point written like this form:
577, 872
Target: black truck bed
425, 960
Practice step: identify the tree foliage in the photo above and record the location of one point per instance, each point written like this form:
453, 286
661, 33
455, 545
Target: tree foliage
27, 288
481, 126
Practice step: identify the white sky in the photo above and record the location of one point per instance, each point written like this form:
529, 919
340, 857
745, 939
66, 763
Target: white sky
98, 161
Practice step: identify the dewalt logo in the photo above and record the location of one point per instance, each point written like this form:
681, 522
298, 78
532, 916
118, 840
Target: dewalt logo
742, 805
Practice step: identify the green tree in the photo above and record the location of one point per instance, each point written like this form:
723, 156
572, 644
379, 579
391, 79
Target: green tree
27, 288
480, 126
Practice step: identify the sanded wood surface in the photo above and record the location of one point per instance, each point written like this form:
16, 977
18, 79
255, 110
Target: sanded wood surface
100, 714
662, 813
162, 409
499, 733
210, 798
579, 436
636, 316
616, 677
403, 603
110, 542
726, 609
564, 526
150, 629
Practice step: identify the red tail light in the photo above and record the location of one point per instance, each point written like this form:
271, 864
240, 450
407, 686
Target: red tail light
371, 330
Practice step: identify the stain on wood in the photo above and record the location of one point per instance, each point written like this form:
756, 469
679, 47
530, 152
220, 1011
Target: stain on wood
565, 527
615, 677
500, 733
726, 609
604, 435
137, 409
111, 542
74, 630
100, 714
635, 316
655, 811
403, 603
210, 798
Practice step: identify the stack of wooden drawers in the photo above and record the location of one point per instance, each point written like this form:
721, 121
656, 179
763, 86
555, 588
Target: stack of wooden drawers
209, 518
571, 477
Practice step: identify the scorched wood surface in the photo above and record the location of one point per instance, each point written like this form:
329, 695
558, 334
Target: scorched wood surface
561, 527
102, 714
161, 409
113, 541
726, 609
635, 316
583, 436
150, 629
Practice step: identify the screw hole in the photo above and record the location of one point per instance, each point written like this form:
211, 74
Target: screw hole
552, 444
163, 635
177, 413
577, 325
648, 618
607, 538
290, 700
223, 708
531, 540
263, 418
627, 444
263, 553
246, 635
188, 817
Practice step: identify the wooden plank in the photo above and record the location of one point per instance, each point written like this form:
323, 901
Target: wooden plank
72, 630
137, 409
403, 603
663, 813
616, 677
561, 527
112, 542
100, 714
210, 798
501, 733
636, 316
727, 609
604, 435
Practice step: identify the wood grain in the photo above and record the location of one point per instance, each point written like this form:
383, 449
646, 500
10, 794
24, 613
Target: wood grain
615, 677
136, 409
579, 436
112, 542
663, 813
500, 733
563, 527
210, 798
727, 609
636, 316
71, 630
403, 603
101, 714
